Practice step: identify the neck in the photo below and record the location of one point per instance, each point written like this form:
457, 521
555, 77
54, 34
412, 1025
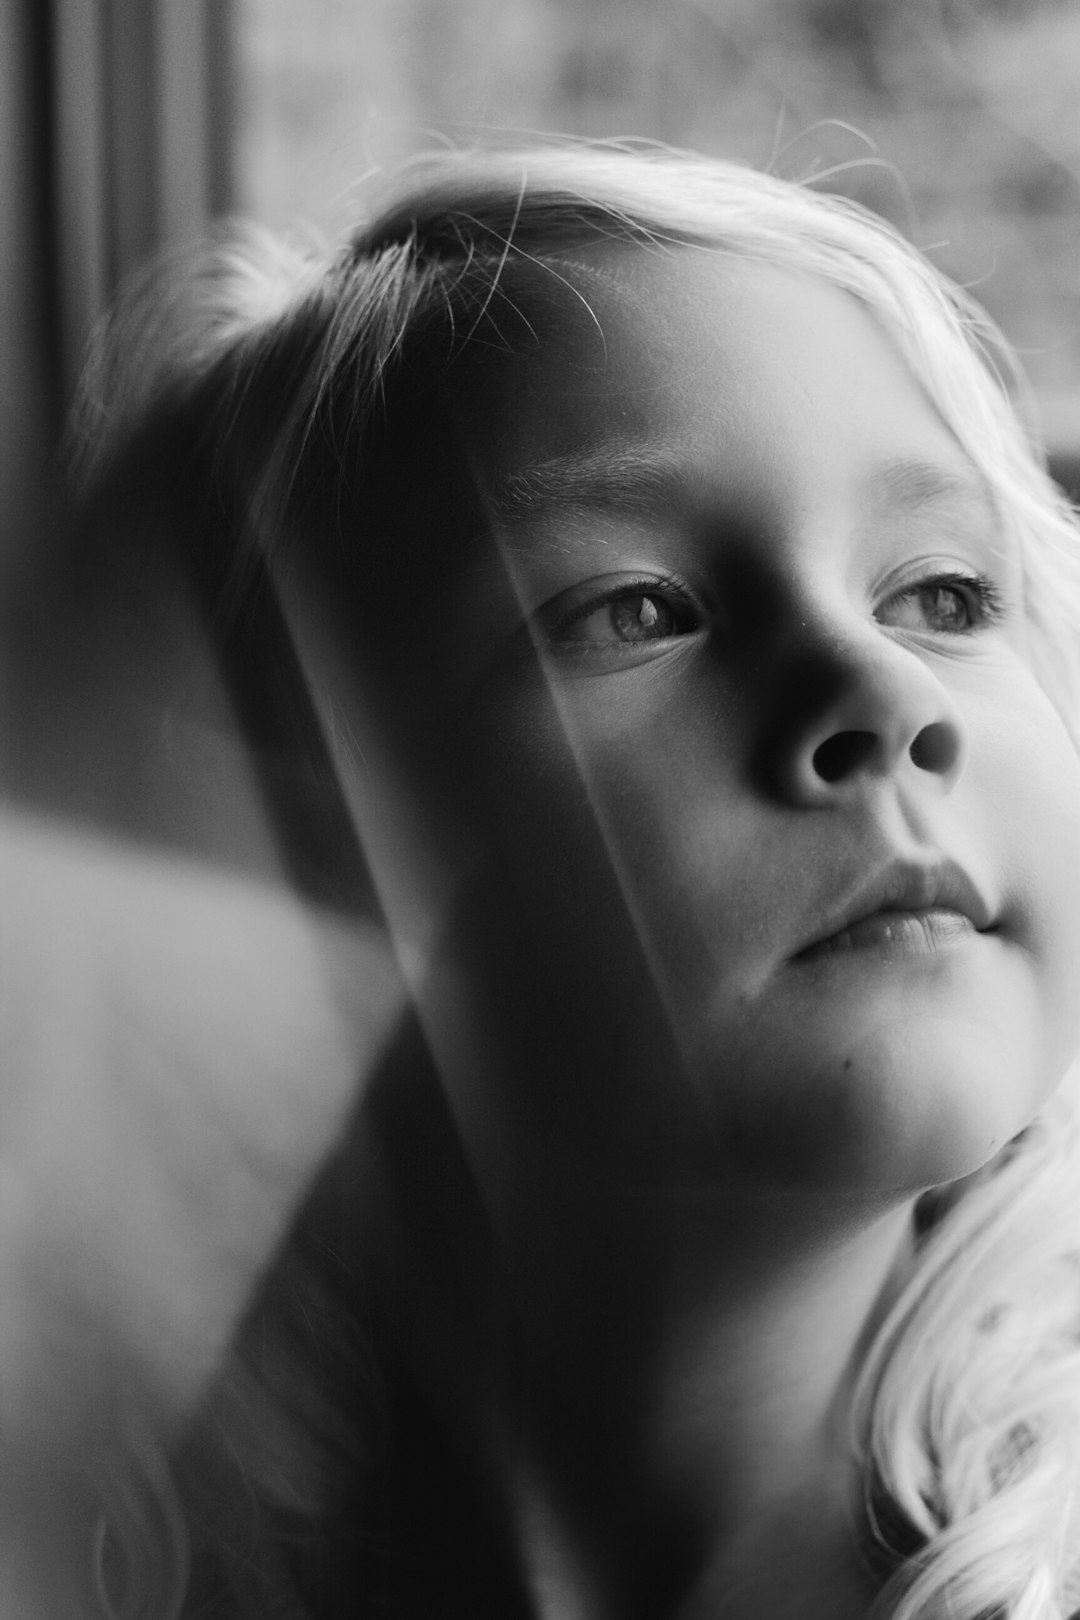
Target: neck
652, 1387
685, 1393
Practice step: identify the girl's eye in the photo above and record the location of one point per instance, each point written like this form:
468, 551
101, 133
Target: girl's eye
629, 615
947, 604
636, 616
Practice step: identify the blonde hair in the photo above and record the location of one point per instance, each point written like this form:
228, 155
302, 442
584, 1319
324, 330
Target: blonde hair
282, 363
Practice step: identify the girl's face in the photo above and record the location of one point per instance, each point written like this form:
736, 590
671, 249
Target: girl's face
741, 667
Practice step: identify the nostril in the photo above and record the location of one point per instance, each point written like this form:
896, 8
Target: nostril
843, 753
934, 749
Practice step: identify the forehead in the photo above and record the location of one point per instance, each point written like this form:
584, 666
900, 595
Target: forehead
679, 374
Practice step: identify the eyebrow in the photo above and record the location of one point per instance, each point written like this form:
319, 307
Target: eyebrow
636, 479
914, 484
617, 478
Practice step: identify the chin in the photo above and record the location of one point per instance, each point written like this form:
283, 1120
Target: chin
894, 1112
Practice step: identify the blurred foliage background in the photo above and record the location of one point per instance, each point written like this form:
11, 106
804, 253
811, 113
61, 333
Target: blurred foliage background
957, 119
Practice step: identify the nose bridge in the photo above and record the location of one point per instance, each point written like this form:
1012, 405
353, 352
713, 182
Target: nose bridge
851, 703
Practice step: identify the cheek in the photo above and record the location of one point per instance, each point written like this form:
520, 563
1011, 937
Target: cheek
659, 890
576, 872
665, 841
595, 814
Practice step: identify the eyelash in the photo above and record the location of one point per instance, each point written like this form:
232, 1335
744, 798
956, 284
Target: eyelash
665, 588
985, 602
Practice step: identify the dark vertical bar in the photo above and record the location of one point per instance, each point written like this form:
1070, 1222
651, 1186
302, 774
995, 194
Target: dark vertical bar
81, 230
221, 104
140, 117
132, 133
183, 131
30, 398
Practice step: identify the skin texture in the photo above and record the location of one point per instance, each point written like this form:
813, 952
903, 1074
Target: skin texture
721, 634
804, 726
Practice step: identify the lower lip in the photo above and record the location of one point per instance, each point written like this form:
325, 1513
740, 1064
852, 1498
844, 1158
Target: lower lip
897, 933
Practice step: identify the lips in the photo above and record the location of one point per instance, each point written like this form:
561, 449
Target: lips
908, 909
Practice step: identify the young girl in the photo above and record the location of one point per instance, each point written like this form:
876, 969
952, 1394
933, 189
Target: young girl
643, 602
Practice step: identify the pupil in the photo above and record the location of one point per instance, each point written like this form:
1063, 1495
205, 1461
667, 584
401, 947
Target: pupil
947, 605
640, 618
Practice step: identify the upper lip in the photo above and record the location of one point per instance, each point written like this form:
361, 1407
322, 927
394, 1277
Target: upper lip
907, 886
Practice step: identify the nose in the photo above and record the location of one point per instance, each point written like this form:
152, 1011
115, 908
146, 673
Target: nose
858, 708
